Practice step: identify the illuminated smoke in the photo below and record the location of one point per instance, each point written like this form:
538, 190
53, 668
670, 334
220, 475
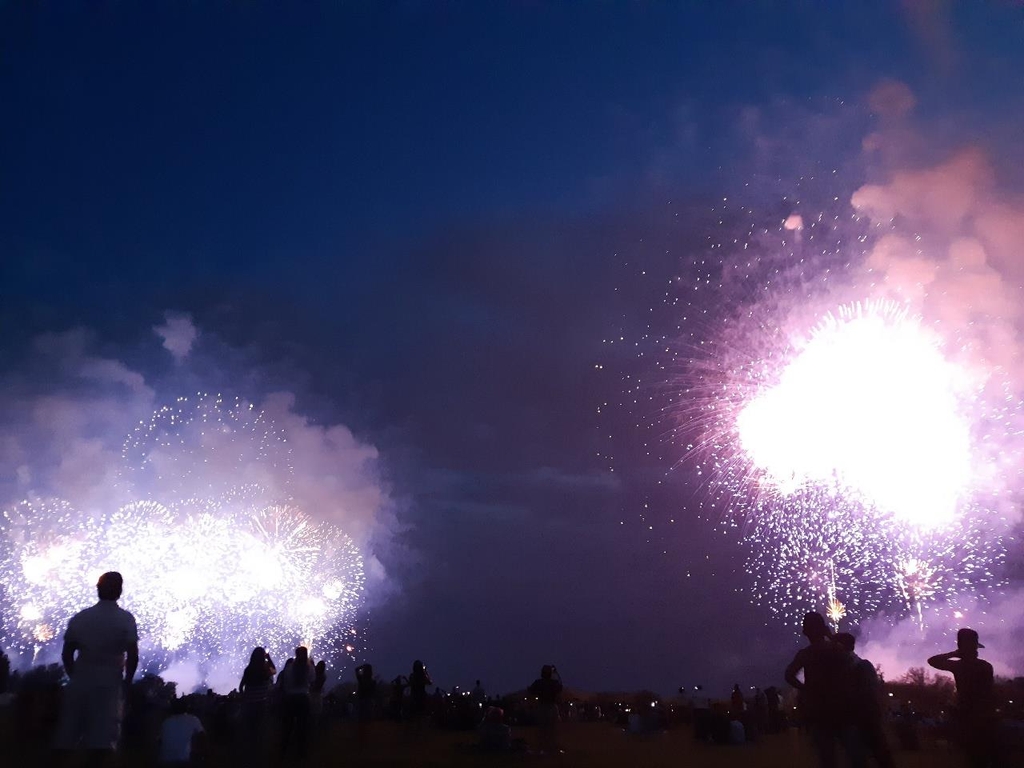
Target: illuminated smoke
214, 566
851, 404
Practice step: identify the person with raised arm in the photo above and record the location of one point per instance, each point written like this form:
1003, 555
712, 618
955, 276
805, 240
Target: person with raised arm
975, 723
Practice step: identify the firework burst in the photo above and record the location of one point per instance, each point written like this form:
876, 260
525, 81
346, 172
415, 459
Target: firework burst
207, 576
860, 452
850, 456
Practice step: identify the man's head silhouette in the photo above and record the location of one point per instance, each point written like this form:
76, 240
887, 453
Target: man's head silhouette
967, 642
109, 586
846, 641
814, 626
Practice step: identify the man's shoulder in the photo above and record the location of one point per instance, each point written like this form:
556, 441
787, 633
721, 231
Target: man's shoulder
122, 615
86, 616
802, 652
91, 610
127, 615
983, 666
866, 672
116, 615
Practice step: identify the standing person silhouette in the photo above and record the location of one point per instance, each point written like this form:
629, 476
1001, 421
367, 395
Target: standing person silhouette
366, 692
100, 656
5, 672
395, 704
418, 682
548, 689
974, 718
316, 692
759, 718
478, 693
866, 705
823, 691
255, 689
296, 681
774, 701
736, 702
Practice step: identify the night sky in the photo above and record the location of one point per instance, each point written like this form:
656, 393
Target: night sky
426, 220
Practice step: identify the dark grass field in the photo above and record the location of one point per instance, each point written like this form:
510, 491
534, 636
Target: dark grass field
585, 744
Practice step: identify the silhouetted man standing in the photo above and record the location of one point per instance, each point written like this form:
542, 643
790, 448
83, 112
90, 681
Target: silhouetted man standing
547, 689
100, 655
866, 704
5, 672
974, 717
824, 689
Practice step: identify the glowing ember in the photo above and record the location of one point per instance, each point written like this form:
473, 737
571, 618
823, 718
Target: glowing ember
836, 612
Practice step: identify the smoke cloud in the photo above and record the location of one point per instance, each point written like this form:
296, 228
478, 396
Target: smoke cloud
178, 333
69, 406
950, 243
931, 22
897, 648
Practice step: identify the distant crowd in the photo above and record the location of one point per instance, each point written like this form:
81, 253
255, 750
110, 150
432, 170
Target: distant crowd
101, 708
276, 712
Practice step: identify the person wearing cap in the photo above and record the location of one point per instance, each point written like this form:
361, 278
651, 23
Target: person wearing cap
100, 656
974, 717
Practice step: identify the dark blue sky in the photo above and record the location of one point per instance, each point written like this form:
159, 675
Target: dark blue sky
418, 207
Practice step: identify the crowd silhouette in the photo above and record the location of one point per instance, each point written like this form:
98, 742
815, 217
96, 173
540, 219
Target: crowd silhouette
274, 715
